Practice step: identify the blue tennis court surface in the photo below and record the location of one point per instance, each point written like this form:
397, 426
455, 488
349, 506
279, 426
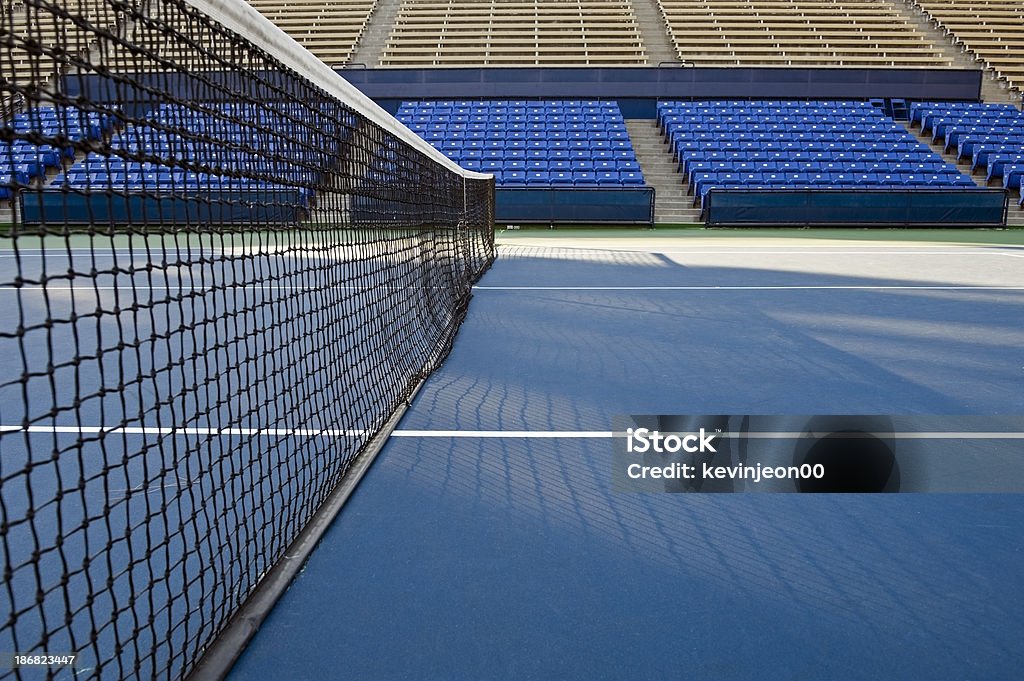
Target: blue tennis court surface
492, 555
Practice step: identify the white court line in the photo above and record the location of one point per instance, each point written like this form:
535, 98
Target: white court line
771, 250
937, 287
303, 432
511, 434
481, 434
767, 250
223, 288
279, 287
1011, 255
154, 430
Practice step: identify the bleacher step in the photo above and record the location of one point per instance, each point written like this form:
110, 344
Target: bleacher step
375, 38
652, 29
1014, 213
994, 89
671, 204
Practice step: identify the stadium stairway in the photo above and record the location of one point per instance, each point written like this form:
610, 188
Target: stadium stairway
375, 37
1014, 214
654, 33
671, 204
993, 89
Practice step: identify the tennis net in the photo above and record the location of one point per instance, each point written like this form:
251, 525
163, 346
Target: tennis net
224, 272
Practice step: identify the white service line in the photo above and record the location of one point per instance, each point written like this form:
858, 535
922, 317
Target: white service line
223, 288
187, 290
511, 434
142, 251
898, 287
772, 250
303, 432
479, 434
171, 430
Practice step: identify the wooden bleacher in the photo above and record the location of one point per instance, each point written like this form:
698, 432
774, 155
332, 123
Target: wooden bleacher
514, 33
844, 33
26, 28
992, 30
330, 30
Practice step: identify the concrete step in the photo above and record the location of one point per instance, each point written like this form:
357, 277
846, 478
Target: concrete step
374, 39
652, 29
993, 89
1014, 214
671, 204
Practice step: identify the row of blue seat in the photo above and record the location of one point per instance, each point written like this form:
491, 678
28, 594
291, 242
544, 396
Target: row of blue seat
977, 133
938, 121
539, 135
804, 153
825, 140
976, 147
166, 181
500, 118
491, 154
505, 103
22, 162
777, 122
174, 133
702, 183
830, 150
692, 166
769, 119
794, 127
540, 178
553, 164
744, 104
528, 144
954, 134
516, 127
845, 158
919, 111
544, 144
997, 164
716, 116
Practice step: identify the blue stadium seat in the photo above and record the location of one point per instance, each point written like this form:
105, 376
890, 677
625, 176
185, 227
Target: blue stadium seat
537, 178
1012, 174
513, 177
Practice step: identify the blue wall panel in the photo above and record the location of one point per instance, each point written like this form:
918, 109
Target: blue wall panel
632, 85
822, 207
613, 206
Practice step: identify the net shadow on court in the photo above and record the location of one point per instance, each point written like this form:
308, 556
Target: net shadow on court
468, 550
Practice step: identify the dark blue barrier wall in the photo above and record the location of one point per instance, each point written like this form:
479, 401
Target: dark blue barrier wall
618, 206
637, 88
823, 207
54, 208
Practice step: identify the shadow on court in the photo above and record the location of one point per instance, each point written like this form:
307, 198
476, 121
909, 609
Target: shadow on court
508, 558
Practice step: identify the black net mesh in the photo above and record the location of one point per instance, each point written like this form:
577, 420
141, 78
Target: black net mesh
216, 285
